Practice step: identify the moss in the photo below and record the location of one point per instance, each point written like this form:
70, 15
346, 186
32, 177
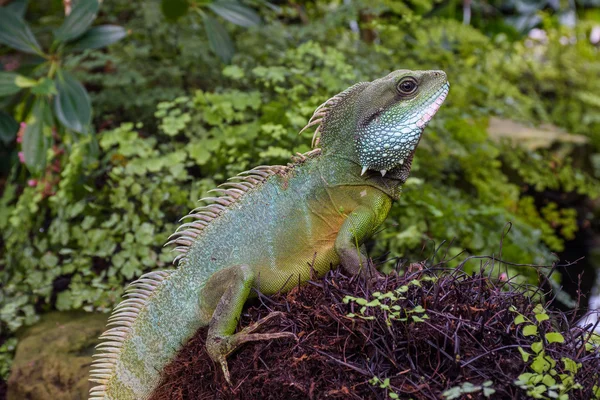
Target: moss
53, 357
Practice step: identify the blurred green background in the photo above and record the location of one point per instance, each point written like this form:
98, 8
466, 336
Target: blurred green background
114, 123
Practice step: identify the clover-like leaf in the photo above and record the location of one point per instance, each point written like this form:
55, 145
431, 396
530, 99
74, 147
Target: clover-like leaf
554, 337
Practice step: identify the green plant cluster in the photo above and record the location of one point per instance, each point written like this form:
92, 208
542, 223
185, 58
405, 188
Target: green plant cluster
388, 304
173, 121
545, 379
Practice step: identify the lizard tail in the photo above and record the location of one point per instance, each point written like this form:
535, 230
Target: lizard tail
156, 319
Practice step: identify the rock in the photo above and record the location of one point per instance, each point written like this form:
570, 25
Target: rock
53, 357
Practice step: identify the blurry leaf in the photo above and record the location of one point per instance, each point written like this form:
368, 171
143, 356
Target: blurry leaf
75, 24
8, 127
99, 36
174, 9
554, 337
537, 347
235, 13
25, 82
8, 84
72, 103
530, 330
218, 39
44, 87
15, 33
18, 7
34, 142
524, 355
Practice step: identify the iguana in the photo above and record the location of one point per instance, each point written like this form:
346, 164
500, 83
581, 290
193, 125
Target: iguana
270, 229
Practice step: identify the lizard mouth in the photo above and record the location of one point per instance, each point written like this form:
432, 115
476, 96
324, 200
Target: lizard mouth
433, 106
388, 146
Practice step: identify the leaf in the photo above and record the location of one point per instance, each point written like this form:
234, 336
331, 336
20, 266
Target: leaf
542, 317
530, 330
8, 127
15, 33
571, 365
554, 337
34, 142
537, 347
78, 21
44, 87
524, 355
174, 9
235, 13
218, 39
519, 319
98, 37
8, 83
72, 104
18, 7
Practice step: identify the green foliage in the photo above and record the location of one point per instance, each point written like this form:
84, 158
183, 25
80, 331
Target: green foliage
48, 81
387, 304
173, 122
466, 388
547, 380
218, 38
384, 384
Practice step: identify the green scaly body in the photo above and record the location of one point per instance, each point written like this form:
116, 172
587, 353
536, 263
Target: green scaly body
270, 229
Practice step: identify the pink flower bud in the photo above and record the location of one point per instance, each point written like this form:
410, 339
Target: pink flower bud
32, 182
22, 157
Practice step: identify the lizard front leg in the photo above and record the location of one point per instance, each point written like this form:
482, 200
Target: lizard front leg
223, 297
359, 226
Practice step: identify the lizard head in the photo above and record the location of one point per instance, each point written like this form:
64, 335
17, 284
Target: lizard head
392, 113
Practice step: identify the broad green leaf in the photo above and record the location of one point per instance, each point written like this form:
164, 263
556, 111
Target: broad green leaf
174, 9
8, 84
15, 33
519, 319
554, 337
8, 127
78, 21
235, 13
530, 330
98, 37
18, 7
72, 104
218, 39
35, 143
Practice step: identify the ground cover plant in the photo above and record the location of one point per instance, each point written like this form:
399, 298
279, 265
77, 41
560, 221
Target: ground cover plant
171, 120
429, 334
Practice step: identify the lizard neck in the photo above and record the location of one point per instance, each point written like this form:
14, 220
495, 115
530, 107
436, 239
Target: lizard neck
339, 169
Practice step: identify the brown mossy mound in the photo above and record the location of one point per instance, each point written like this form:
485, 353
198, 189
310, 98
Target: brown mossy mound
464, 331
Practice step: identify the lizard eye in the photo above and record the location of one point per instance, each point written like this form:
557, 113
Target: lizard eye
407, 86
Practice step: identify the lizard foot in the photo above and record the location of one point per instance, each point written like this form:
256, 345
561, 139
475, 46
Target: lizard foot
219, 347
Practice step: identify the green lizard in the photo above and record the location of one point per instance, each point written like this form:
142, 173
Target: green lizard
270, 229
